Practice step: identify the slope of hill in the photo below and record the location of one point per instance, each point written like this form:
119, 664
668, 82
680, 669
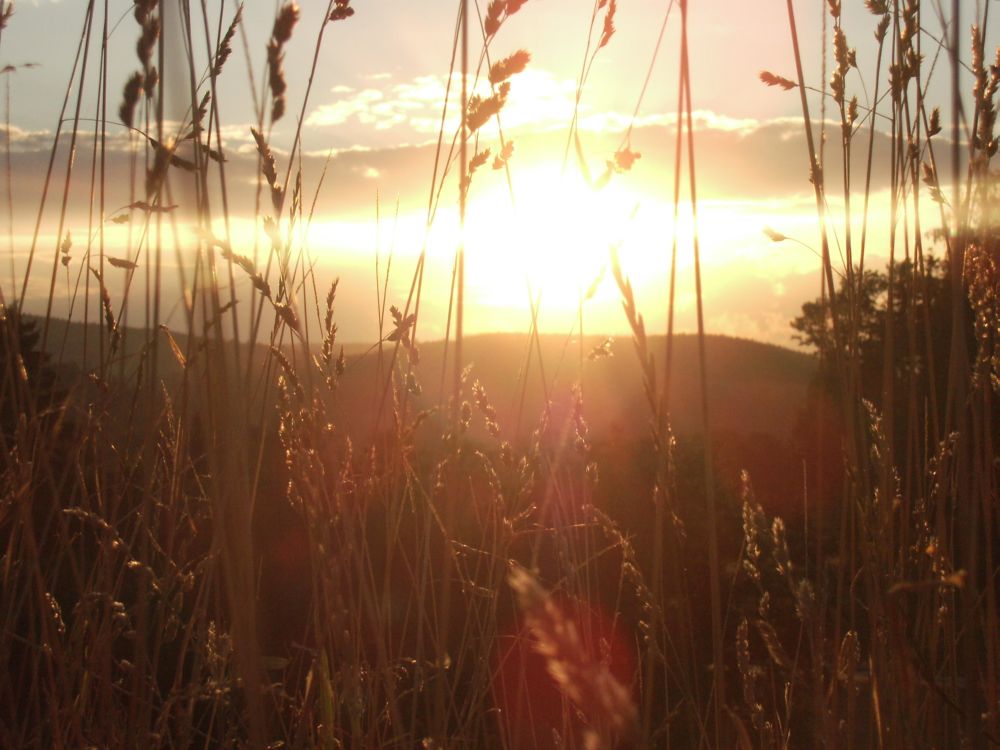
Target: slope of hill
754, 388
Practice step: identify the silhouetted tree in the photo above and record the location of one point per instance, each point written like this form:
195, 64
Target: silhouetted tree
913, 338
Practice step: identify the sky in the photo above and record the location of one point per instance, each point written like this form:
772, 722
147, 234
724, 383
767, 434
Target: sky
369, 128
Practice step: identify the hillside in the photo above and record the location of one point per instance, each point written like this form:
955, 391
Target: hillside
754, 388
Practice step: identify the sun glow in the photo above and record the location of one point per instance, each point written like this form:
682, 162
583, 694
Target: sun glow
550, 244
553, 237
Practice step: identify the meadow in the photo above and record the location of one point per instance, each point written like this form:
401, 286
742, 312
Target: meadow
227, 519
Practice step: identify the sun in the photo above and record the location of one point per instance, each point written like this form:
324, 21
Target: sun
553, 238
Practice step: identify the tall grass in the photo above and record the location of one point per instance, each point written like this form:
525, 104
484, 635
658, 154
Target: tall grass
196, 552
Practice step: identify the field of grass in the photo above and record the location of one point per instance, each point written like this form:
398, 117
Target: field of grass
238, 532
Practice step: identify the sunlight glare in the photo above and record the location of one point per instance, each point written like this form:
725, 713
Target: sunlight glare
554, 239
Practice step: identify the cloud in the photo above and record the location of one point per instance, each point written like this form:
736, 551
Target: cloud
538, 99
365, 105
737, 159
387, 105
750, 174
21, 140
736, 155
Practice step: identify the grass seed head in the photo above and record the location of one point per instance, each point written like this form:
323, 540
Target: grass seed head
586, 681
609, 24
285, 21
503, 69
130, 98
287, 17
225, 46
342, 10
770, 79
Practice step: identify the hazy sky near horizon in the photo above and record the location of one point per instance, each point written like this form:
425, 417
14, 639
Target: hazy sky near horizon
376, 105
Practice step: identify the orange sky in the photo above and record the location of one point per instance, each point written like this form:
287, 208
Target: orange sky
375, 112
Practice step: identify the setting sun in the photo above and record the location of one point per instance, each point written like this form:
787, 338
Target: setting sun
554, 237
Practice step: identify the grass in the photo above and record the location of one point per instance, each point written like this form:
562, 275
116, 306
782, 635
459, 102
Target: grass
196, 549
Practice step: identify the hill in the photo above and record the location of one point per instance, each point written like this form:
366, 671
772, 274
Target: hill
754, 388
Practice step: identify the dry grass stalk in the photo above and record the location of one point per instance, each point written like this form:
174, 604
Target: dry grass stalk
130, 98
481, 109
771, 79
609, 21
269, 170
511, 65
342, 10
497, 12
225, 45
284, 23
587, 682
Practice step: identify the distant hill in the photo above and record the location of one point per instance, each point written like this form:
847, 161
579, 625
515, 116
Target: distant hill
753, 387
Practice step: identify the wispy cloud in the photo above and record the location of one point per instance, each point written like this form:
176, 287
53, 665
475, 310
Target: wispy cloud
21, 140
388, 110
538, 99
